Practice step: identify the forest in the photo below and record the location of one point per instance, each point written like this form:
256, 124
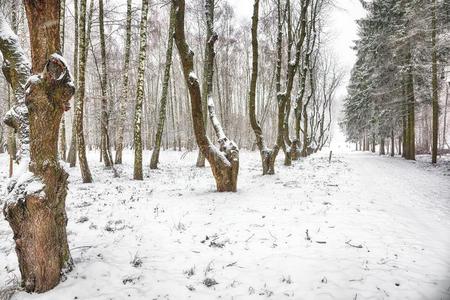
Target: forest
233, 149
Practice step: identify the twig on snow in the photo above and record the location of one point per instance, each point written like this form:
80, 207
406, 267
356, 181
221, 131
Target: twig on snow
352, 245
249, 238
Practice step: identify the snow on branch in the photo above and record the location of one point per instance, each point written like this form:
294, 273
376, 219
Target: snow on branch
214, 120
16, 68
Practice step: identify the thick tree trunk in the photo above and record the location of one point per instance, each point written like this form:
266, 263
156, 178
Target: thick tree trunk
37, 216
224, 162
162, 110
124, 95
138, 173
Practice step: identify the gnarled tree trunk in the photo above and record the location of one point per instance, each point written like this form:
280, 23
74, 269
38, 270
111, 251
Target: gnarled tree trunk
35, 205
224, 162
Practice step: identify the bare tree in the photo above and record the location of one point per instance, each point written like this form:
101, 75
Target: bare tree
124, 95
72, 155
224, 162
163, 103
104, 145
79, 109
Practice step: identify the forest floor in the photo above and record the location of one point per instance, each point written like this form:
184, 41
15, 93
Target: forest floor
360, 227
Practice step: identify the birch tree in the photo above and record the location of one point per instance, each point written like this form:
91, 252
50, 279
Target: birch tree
72, 155
124, 93
104, 144
138, 174
163, 103
79, 109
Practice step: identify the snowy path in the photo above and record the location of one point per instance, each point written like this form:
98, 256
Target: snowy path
378, 228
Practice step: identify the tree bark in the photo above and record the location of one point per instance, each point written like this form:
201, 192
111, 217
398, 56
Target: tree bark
434, 85
12, 145
392, 143
267, 157
35, 204
105, 145
138, 173
382, 149
62, 132
162, 110
79, 110
124, 95
72, 155
410, 100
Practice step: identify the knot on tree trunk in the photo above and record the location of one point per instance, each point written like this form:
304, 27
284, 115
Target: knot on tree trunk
56, 81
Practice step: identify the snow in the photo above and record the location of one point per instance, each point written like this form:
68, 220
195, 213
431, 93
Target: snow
32, 80
22, 184
192, 77
378, 227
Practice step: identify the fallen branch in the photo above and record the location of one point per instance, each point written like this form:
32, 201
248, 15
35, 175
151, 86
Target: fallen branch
352, 245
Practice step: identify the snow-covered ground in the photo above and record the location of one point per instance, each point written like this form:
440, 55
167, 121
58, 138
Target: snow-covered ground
360, 227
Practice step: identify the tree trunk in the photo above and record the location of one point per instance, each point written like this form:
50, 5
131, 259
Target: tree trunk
162, 110
224, 163
104, 146
12, 145
138, 173
79, 110
374, 142
37, 216
392, 143
382, 149
411, 109
267, 157
444, 132
124, 95
434, 86
62, 132
72, 155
